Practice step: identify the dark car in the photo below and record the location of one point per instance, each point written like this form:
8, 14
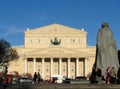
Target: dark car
81, 78
67, 80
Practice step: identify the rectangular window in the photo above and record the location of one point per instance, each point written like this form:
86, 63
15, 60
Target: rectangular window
80, 40
37, 40
72, 40
30, 41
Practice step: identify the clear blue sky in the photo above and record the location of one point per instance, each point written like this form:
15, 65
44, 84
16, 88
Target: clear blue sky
18, 15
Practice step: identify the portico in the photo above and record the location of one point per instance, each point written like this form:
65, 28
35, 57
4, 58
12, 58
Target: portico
69, 67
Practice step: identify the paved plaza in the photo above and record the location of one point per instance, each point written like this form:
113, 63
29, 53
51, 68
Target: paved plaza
66, 86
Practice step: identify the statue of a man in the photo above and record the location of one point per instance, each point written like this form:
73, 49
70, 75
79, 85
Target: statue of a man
106, 54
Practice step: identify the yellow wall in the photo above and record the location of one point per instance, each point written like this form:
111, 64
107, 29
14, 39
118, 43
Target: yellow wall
38, 45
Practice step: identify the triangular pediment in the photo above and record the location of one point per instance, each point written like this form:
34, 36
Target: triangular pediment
55, 28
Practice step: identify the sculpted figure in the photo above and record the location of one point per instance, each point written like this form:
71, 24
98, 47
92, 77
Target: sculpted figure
106, 53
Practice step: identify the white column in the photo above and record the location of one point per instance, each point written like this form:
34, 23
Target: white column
85, 67
77, 67
69, 68
34, 65
51, 62
60, 67
43, 68
26, 65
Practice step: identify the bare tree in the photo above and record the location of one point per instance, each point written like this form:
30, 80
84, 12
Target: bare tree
6, 52
12, 54
4, 47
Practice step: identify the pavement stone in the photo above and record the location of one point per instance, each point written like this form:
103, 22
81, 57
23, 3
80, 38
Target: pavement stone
65, 86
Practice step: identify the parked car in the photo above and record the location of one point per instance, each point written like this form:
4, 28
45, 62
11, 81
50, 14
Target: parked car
67, 80
57, 78
24, 80
81, 78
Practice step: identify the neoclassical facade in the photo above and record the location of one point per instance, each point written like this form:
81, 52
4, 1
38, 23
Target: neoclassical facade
55, 49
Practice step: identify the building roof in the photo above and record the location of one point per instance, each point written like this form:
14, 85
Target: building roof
55, 28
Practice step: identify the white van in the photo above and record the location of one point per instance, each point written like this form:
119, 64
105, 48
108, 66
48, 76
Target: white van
58, 78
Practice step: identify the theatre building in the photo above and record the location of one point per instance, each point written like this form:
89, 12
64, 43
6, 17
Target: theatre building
54, 49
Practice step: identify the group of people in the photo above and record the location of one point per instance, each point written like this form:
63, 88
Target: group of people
5, 81
110, 76
37, 78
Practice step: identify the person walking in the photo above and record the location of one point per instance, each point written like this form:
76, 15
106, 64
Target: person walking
35, 77
39, 77
9, 81
1, 79
93, 76
112, 75
99, 75
118, 76
5, 82
108, 75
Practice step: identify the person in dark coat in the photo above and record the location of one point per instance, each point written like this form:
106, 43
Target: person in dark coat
1, 79
5, 82
39, 77
99, 75
112, 75
118, 76
35, 77
93, 76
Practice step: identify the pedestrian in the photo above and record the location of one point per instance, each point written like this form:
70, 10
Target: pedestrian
112, 75
108, 75
9, 81
1, 79
35, 77
39, 77
99, 75
93, 76
5, 82
118, 76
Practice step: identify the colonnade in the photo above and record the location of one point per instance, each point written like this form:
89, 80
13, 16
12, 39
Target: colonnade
77, 66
